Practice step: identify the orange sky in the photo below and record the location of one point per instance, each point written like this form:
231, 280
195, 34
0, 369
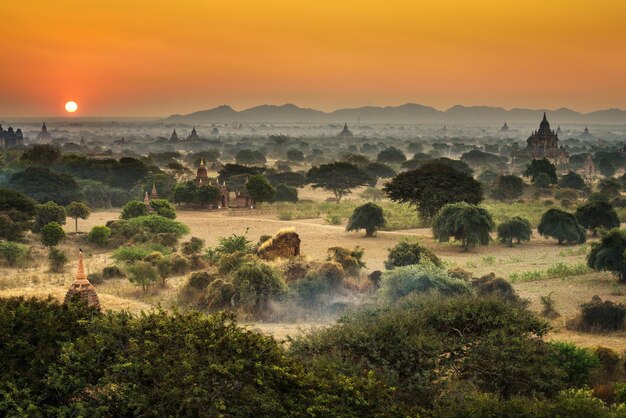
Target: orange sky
157, 57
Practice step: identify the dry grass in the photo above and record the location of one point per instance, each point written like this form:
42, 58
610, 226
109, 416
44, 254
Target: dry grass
316, 236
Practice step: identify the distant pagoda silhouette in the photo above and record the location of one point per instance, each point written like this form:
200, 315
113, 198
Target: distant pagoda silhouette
81, 288
44, 135
345, 133
505, 127
543, 143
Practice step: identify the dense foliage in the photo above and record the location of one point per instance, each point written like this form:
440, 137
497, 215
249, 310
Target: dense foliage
516, 228
562, 226
467, 223
368, 217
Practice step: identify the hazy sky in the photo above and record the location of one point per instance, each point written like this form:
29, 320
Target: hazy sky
157, 57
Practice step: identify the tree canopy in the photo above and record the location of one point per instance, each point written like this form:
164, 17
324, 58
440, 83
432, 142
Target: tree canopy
515, 228
594, 215
508, 187
608, 254
44, 185
432, 186
539, 166
260, 190
562, 226
464, 222
368, 217
339, 178
76, 210
572, 180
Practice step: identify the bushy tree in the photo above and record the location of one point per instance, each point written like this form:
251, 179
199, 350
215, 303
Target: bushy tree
142, 274
594, 215
465, 222
57, 259
44, 154
52, 234
608, 254
407, 253
99, 234
562, 226
539, 166
286, 193
515, 228
339, 178
9, 229
368, 217
48, 212
391, 155
609, 187
372, 193
508, 188
379, 170
44, 185
163, 208
260, 190
19, 209
432, 186
288, 178
542, 180
77, 210
134, 209
257, 284
572, 180
12, 252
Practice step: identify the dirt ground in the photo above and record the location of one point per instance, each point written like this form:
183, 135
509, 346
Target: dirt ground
540, 254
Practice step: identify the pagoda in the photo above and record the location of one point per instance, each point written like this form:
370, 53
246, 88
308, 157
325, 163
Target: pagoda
10, 138
146, 201
193, 136
174, 136
153, 193
202, 177
544, 143
504, 128
81, 288
44, 135
345, 133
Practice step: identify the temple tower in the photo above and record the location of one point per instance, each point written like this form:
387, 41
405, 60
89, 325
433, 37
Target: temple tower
81, 288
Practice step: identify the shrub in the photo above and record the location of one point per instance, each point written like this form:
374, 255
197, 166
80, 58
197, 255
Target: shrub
350, 260
407, 253
12, 252
600, 316
548, 306
193, 246
227, 263
310, 289
333, 220
134, 209
286, 193
156, 224
95, 278
492, 285
285, 216
200, 280
9, 229
219, 295
178, 264
131, 254
402, 281
57, 260
163, 208
257, 284
112, 272
578, 363
52, 234
234, 243
99, 234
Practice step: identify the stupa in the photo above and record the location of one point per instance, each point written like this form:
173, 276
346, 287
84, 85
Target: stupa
81, 288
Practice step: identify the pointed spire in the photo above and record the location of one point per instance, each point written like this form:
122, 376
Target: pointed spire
153, 193
81, 288
201, 162
545, 119
44, 128
81, 276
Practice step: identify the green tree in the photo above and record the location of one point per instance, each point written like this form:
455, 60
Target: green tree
99, 234
372, 193
288, 178
163, 208
142, 274
260, 190
407, 253
368, 217
515, 228
465, 222
12, 252
562, 226
44, 185
48, 212
508, 188
541, 166
19, 209
339, 178
596, 215
431, 187
134, 209
286, 193
9, 229
379, 171
542, 180
608, 254
572, 180
206, 195
57, 260
391, 155
44, 154
257, 284
77, 210
52, 234
609, 187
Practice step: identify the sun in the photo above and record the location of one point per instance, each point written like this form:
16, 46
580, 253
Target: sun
71, 107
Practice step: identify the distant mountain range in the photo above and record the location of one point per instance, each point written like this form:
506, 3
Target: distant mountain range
407, 113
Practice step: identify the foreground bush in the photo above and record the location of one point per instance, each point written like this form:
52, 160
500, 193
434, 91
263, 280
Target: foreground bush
407, 253
600, 316
99, 235
12, 252
402, 281
257, 284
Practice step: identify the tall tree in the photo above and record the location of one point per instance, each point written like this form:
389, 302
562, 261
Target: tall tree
368, 217
432, 186
561, 225
77, 210
539, 166
608, 254
339, 178
508, 188
594, 215
260, 190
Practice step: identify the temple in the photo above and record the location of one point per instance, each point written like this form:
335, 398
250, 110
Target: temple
81, 288
193, 136
543, 143
174, 136
44, 135
586, 133
202, 178
10, 138
153, 193
345, 133
146, 201
504, 128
